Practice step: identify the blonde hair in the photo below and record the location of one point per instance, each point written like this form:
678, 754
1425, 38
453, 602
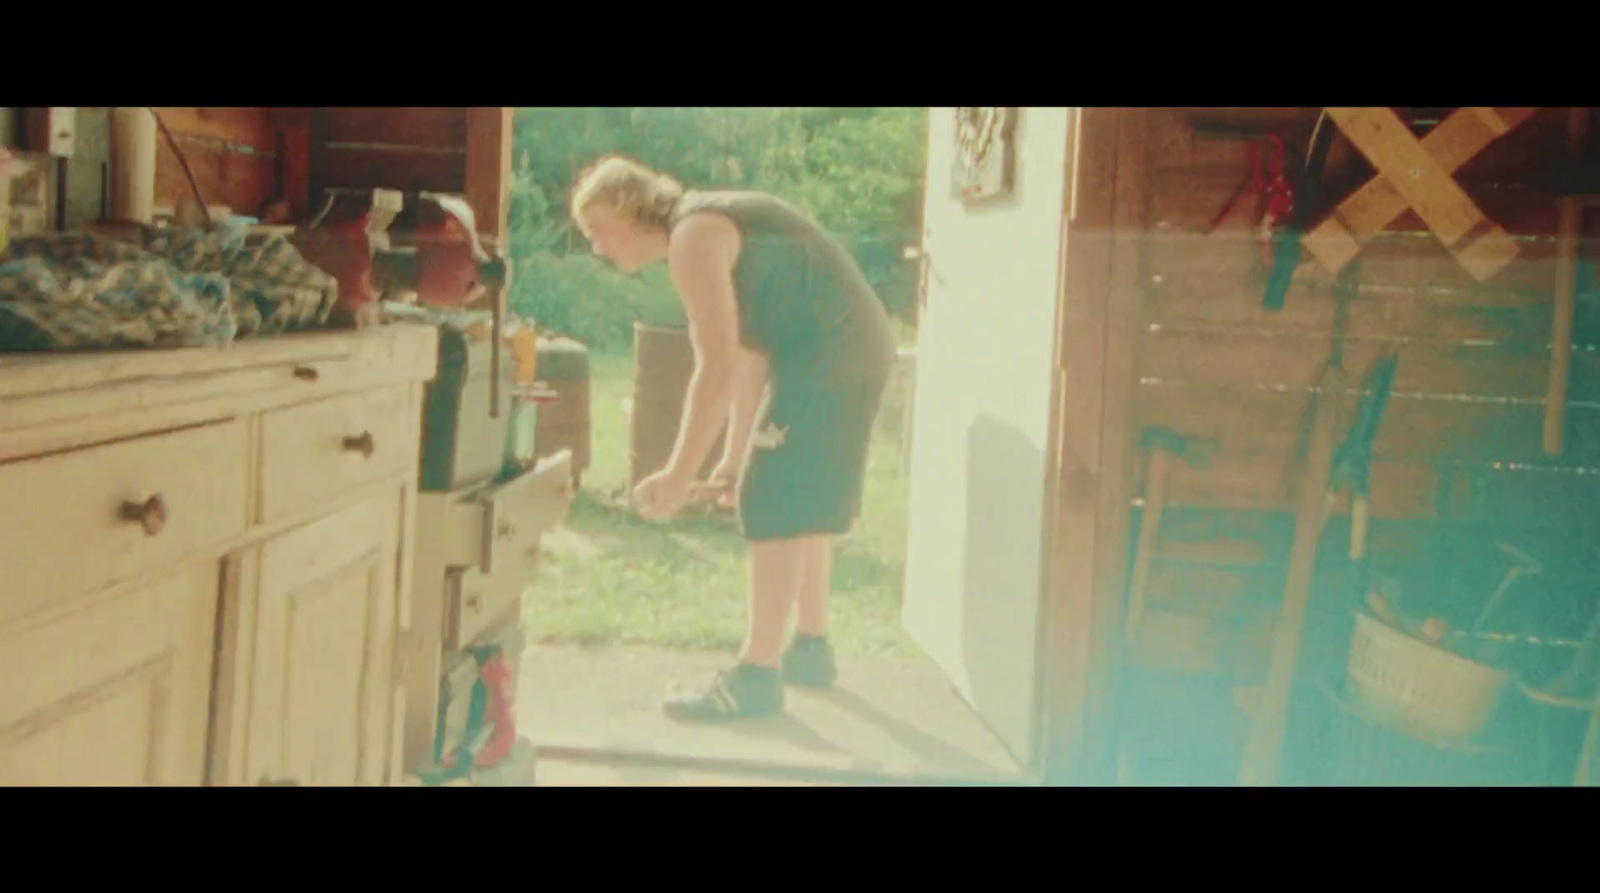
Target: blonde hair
630, 187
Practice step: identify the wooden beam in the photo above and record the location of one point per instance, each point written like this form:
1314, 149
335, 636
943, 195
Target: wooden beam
417, 126
1428, 187
1119, 458
240, 126
1070, 666
1459, 138
292, 127
489, 170
1568, 231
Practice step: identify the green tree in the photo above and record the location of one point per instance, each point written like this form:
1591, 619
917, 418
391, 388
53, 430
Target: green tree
857, 171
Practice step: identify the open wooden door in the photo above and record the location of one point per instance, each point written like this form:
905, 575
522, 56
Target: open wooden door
981, 468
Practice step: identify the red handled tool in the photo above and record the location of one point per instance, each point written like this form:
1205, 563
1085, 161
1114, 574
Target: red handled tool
1267, 187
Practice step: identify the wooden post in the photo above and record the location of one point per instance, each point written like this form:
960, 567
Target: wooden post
1555, 405
1568, 228
488, 185
133, 165
488, 180
293, 145
1090, 483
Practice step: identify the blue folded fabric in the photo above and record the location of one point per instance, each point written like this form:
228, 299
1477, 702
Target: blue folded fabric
179, 288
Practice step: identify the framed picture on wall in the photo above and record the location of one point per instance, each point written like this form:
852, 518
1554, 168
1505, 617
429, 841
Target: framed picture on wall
28, 210
985, 164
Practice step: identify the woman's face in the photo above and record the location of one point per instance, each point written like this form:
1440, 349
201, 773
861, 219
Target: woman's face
617, 236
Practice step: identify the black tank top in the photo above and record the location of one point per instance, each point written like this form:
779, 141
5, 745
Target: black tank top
803, 302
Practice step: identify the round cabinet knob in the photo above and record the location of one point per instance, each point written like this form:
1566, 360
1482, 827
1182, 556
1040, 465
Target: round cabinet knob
363, 444
150, 514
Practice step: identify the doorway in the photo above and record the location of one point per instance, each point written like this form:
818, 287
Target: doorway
936, 604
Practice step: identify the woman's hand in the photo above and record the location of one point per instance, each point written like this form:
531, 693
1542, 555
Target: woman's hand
662, 495
724, 482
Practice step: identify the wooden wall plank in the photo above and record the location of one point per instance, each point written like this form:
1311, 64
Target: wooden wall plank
231, 151
1267, 482
1413, 428
411, 149
1374, 316
242, 182
405, 170
434, 128
1392, 264
1211, 591
242, 126
1241, 359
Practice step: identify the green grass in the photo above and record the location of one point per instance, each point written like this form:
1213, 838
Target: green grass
613, 578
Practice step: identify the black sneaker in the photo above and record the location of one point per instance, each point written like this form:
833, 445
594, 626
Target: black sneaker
808, 662
745, 691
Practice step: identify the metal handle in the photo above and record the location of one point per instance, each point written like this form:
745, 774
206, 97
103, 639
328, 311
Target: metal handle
1530, 564
150, 514
364, 444
306, 373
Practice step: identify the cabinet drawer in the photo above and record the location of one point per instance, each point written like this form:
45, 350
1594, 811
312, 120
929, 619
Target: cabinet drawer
502, 524
314, 451
79, 521
474, 600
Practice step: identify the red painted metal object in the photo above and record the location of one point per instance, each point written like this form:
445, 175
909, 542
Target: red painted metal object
501, 712
443, 262
450, 261
1268, 187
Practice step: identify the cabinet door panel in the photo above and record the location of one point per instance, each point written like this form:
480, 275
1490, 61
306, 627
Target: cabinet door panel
322, 677
111, 691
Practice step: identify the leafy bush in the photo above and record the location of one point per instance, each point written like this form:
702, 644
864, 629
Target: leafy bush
585, 298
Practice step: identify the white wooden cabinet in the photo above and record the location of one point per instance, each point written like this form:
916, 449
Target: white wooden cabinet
205, 561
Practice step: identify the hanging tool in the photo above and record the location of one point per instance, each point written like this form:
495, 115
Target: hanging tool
1523, 564
1286, 243
1268, 187
1264, 747
1352, 464
1164, 445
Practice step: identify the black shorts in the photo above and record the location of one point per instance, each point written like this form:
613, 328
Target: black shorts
808, 459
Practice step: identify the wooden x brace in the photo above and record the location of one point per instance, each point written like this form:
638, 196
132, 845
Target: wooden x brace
1417, 174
